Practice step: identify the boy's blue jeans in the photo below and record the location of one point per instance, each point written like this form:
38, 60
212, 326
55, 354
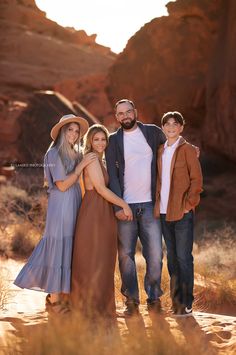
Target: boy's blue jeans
178, 237
148, 229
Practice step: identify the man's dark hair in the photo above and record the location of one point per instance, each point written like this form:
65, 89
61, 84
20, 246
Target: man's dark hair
122, 101
175, 115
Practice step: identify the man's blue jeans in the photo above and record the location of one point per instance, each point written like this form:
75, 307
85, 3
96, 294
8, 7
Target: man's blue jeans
178, 237
148, 229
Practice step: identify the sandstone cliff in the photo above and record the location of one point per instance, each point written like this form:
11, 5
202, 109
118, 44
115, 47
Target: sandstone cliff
50, 106
184, 62
25, 136
36, 52
90, 91
219, 127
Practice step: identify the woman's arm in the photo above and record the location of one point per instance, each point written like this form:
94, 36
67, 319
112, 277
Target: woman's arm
72, 178
96, 176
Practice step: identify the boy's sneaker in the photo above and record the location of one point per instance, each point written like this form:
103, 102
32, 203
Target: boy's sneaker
184, 312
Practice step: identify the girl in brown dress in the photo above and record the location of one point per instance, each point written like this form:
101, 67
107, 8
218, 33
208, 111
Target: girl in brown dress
95, 242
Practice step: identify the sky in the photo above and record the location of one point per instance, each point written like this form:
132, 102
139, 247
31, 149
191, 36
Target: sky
114, 21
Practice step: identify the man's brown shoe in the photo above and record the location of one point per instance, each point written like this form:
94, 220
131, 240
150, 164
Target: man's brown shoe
154, 306
132, 309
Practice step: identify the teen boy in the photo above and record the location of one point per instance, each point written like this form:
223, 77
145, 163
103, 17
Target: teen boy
178, 193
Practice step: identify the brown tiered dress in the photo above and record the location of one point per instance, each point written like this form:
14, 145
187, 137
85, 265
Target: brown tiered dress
94, 255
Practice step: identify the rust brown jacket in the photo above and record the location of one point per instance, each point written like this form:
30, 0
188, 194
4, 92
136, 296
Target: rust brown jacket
185, 181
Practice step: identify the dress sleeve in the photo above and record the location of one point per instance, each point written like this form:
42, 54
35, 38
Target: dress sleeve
55, 166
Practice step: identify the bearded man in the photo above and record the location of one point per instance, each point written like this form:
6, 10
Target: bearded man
131, 164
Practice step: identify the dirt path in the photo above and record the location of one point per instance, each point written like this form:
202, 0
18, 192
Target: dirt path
216, 332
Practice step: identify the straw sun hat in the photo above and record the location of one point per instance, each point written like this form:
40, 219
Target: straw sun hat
83, 124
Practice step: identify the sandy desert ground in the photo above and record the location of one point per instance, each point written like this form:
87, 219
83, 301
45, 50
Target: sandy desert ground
215, 333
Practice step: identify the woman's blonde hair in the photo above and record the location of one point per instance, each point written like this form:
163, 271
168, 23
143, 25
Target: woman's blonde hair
67, 152
96, 128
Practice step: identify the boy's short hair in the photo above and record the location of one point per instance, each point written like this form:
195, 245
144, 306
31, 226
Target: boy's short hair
122, 101
175, 115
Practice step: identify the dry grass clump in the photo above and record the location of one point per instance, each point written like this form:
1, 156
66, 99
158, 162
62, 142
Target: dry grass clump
215, 271
77, 335
14, 203
216, 253
5, 293
24, 240
5, 245
18, 206
215, 262
22, 220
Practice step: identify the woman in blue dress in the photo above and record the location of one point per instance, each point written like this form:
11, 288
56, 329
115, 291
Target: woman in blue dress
49, 266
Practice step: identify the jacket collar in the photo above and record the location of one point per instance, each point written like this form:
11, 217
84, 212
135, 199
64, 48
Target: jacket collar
181, 142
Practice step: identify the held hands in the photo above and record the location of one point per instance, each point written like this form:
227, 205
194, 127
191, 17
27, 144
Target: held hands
120, 215
125, 214
128, 213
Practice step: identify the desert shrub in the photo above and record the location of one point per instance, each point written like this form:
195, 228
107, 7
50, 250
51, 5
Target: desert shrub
215, 262
24, 240
216, 253
30, 180
22, 220
18, 205
13, 201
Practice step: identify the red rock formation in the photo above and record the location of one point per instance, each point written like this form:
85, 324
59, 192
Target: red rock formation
165, 64
219, 128
10, 129
36, 52
44, 110
90, 92
185, 61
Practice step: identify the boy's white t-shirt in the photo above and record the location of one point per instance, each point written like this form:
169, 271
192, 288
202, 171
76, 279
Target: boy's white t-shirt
137, 175
165, 175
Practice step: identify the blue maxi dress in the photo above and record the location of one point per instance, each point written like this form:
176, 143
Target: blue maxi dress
49, 267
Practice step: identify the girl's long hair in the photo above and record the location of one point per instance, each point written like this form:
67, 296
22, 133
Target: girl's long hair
90, 134
70, 154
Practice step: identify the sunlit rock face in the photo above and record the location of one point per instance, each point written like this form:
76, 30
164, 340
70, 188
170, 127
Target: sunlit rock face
184, 62
36, 52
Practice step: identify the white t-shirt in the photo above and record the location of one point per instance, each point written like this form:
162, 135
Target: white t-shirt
165, 175
137, 175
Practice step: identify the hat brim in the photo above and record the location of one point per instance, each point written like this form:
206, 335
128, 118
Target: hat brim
83, 124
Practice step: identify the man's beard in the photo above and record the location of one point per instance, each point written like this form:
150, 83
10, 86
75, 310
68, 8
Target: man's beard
128, 124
